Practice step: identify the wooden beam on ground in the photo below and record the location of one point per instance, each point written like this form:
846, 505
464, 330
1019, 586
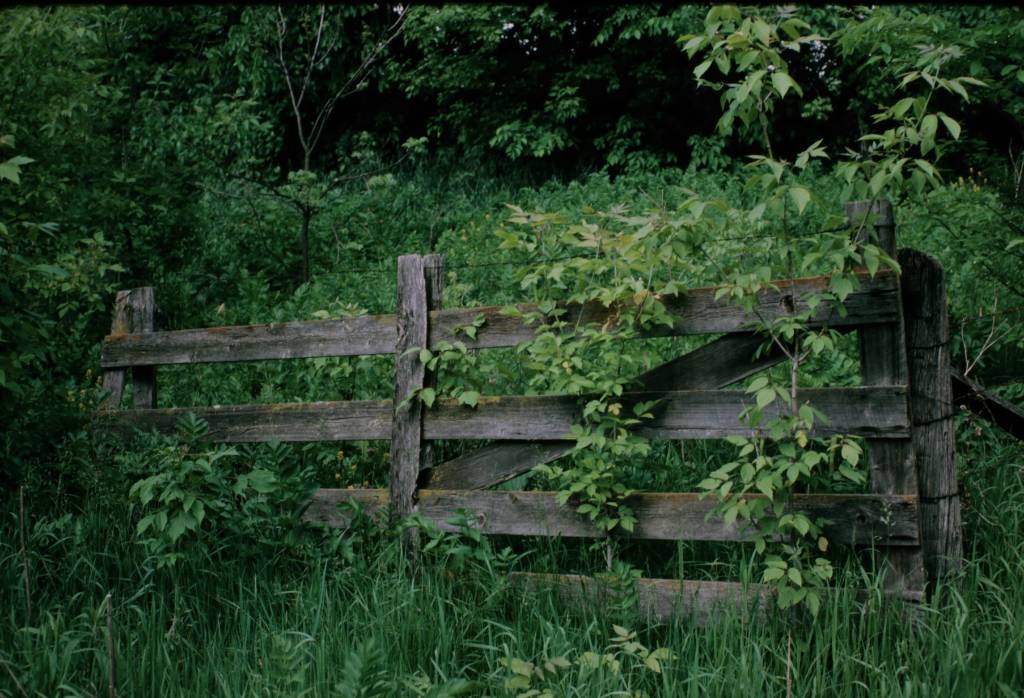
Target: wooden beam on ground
852, 518
878, 412
699, 602
1002, 413
892, 464
695, 311
665, 600
715, 365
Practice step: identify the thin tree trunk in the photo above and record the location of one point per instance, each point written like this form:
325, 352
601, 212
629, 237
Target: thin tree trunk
307, 214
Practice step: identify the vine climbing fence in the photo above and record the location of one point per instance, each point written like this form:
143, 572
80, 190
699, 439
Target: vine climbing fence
903, 409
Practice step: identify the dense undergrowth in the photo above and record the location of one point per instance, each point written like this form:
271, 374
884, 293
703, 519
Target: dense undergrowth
341, 614
256, 604
165, 147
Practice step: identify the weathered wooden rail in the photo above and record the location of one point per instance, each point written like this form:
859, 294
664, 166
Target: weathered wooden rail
911, 513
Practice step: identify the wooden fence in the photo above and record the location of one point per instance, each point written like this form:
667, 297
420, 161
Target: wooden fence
903, 409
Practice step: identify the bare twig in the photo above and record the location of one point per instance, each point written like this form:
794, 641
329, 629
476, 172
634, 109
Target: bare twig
1017, 173
990, 340
352, 84
1017, 291
309, 133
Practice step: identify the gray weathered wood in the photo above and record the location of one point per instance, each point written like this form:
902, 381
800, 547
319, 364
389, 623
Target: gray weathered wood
114, 378
300, 421
715, 365
879, 412
931, 409
143, 312
134, 315
883, 362
853, 518
1000, 412
407, 422
371, 334
696, 312
699, 602
661, 600
433, 272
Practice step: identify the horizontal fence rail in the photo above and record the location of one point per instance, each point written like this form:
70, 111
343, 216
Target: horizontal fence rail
877, 411
695, 312
851, 518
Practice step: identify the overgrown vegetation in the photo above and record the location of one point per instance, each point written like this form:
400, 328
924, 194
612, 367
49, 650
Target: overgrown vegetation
266, 164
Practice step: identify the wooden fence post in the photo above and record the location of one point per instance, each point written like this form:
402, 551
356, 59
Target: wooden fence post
883, 361
931, 410
410, 375
433, 271
134, 313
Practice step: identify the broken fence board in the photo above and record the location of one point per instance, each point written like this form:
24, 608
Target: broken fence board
853, 518
695, 312
989, 406
877, 412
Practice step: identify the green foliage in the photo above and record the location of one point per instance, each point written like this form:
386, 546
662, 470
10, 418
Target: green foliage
549, 676
158, 146
197, 498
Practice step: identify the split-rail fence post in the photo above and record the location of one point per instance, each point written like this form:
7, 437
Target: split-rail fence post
420, 283
883, 361
926, 313
134, 313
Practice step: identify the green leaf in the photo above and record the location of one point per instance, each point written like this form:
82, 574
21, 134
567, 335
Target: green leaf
51, 270
929, 126
813, 603
425, 356
877, 181
841, 286
11, 168
470, 398
702, 68
901, 107
428, 395
800, 197
783, 83
757, 384
262, 480
765, 397
951, 125
851, 453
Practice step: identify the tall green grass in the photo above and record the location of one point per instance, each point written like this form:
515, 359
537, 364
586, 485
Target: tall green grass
226, 625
